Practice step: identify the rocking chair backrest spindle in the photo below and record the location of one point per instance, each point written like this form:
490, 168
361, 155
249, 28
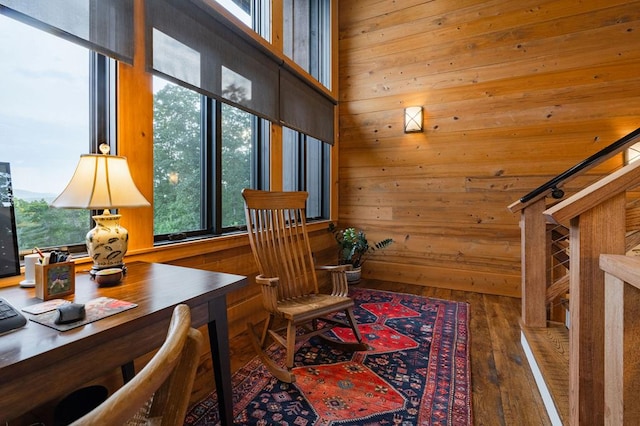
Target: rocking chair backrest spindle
278, 237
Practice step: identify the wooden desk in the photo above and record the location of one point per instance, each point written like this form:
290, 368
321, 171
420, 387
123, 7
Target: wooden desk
38, 363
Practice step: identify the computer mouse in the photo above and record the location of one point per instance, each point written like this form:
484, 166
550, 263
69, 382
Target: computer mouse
71, 312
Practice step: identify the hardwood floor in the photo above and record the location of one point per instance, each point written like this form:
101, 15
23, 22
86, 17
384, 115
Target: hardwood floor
504, 390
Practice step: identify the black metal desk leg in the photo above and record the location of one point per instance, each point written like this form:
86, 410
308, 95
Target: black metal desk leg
219, 342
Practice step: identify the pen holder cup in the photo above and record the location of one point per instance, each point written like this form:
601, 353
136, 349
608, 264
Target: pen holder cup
55, 280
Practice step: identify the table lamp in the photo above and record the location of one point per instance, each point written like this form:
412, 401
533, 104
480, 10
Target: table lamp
103, 181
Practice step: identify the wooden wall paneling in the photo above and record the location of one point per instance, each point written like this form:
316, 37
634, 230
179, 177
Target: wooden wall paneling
429, 150
482, 51
361, 128
445, 21
513, 94
467, 207
523, 184
384, 125
445, 277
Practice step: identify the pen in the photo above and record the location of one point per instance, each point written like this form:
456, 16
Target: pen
39, 252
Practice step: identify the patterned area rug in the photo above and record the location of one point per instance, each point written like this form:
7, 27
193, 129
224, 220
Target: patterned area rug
418, 372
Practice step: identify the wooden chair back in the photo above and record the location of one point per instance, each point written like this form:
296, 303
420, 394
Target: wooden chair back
160, 392
278, 236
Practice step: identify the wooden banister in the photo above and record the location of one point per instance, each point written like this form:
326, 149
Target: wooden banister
595, 217
597, 225
621, 339
615, 183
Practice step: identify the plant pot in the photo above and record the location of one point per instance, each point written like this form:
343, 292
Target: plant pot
353, 276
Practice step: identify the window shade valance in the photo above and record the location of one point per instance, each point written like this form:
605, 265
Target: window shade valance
105, 26
191, 44
187, 45
304, 108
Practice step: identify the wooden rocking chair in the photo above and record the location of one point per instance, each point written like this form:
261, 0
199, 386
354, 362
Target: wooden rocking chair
280, 244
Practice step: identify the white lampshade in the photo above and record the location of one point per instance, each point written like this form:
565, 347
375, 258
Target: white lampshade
101, 182
413, 119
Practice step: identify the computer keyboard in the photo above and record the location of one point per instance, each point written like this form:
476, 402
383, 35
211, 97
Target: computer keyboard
10, 318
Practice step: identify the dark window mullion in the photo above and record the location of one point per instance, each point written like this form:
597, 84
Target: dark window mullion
99, 102
100, 109
216, 151
260, 153
326, 176
207, 163
302, 162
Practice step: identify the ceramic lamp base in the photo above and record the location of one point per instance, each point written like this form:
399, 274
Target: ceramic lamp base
107, 243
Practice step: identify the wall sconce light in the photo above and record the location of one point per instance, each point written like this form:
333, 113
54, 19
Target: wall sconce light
413, 119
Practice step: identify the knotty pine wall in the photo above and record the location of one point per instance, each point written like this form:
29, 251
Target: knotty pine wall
513, 94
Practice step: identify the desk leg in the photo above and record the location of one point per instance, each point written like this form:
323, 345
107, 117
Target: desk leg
219, 342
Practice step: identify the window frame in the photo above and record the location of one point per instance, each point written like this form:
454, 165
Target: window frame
301, 168
102, 105
211, 173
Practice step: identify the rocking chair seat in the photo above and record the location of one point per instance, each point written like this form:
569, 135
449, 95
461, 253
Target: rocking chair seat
311, 306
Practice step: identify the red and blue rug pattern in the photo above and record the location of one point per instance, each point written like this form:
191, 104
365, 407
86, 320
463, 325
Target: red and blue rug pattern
417, 372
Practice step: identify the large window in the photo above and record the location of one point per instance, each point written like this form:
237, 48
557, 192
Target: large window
45, 126
307, 36
55, 104
237, 146
305, 167
306, 160
256, 14
177, 159
205, 153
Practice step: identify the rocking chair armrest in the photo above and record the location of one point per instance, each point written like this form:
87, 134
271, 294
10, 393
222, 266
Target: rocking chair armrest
270, 282
269, 288
334, 268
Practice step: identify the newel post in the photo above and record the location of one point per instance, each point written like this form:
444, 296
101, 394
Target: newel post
534, 257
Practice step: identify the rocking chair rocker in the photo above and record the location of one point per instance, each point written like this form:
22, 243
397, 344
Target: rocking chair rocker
280, 244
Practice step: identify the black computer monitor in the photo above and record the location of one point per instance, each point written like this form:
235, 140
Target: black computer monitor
9, 256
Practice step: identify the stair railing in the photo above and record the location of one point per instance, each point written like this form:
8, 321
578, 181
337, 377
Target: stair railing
597, 224
537, 252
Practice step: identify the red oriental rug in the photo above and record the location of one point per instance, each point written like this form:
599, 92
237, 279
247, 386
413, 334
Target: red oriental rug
418, 372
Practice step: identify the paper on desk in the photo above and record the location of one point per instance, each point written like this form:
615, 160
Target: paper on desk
43, 307
95, 309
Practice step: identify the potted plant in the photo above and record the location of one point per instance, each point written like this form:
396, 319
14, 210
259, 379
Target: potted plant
353, 249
